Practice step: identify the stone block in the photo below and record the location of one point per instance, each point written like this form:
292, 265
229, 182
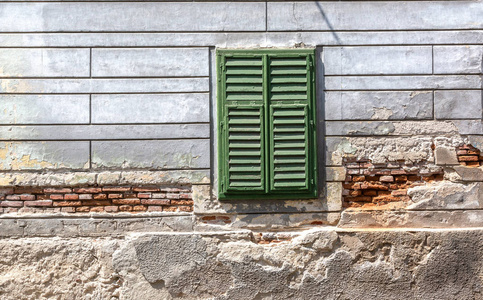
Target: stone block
156, 154
371, 15
44, 155
378, 105
341, 83
381, 60
334, 196
44, 109
457, 104
159, 108
44, 62
445, 156
355, 128
93, 86
469, 174
103, 132
446, 195
335, 173
458, 59
133, 16
150, 62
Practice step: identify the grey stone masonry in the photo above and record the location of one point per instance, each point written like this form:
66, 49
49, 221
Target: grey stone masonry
378, 105
458, 59
377, 60
457, 104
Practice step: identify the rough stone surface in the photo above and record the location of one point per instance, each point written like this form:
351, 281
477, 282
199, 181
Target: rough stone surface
149, 62
456, 104
314, 264
458, 59
166, 154
167, 108
445, 156
377, 60
378, 105
44, 109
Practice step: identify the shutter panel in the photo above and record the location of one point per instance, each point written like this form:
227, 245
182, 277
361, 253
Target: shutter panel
243, 134
290, 100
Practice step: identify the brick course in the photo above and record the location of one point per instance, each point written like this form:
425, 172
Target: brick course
469, 156
381, 184
109, 199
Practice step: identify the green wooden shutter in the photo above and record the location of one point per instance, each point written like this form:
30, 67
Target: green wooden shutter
291, 123
243, 133
266, 113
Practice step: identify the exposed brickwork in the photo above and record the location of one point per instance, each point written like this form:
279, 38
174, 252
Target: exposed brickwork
368, 184
469, 156
109, 199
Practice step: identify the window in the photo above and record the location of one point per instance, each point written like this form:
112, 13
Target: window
266, 124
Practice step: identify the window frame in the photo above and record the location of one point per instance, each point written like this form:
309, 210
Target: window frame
312, 163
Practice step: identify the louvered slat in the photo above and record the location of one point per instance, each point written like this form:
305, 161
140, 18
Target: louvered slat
245, 149
288, 78
289, 153
244, 79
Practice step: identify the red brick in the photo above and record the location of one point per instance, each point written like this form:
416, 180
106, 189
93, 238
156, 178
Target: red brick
155, 208
353, 193
353, 172
366, 165
358, 178
369, 186
348, 178
114, 196
185, 196
181, 202
11, 203
96, 202
361, 199
185, 208
111, 208
386, 178
28, 190
130, 201
71, 196
393, 165
85, 196
414, 178
67, 203
468, 158
386, 199
89, 190
473, 164
10, 210
383, 172
428, 178
171, 190
26, 197
139, 208
398, 172
97, 209
43, 197
12, 197
67, 209
383, 193
39, 203
125, 208
208, 218
155, 201
399, 193
57, 190
144, 195
57, 197
158, 195
369, 193
461, 152
401, 178
172, 196
170, 208
465, 147
83, 209
352, 166
474, 152
6, 191
116, 189
100, 196
146, 189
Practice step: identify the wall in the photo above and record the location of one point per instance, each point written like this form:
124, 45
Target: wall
108, 134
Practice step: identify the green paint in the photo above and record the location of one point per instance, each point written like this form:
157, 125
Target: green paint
266, 129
